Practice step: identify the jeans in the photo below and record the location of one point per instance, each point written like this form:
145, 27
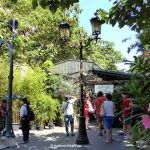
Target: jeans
69, 119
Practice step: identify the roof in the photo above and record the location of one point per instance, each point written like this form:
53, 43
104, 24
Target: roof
72, 67
109, 75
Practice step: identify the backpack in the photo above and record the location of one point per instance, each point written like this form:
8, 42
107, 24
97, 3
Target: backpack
30, 114
65, 107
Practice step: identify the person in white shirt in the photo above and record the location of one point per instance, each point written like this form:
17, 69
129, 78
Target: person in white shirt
67, 107
108, 118
24, 120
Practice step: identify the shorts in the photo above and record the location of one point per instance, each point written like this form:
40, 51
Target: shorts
127, 119
108, 121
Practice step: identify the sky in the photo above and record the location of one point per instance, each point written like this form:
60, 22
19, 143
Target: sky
108, 33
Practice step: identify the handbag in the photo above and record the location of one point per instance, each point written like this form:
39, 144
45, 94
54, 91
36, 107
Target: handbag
102, 110
90, 109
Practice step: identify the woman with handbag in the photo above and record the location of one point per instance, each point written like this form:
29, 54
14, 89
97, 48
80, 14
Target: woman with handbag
108, 119
87, 105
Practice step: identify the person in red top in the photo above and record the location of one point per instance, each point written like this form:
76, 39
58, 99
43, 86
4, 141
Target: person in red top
86, 110
126, 113
3, 106
97, 105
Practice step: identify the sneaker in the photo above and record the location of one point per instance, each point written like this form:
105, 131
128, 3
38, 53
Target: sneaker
72, 134
100, 134
122, 133
67, 134
108, 141
25, 141
127, 137
104, 131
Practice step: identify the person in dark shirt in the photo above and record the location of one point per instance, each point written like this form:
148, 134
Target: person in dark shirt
24, 120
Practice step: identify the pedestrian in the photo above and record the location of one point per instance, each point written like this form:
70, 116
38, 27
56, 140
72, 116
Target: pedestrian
126, 113
67, 107
108, 118
3, 111
97, 106
1, 120
24, 120
87, 107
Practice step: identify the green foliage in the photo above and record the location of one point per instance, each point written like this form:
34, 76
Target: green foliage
104, 55
140, 66
140, 135
37, 39
103, 14
4, 70
32, 83
135, 14
53, 5
45, 108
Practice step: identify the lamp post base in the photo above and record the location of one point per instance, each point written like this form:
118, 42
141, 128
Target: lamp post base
82, 135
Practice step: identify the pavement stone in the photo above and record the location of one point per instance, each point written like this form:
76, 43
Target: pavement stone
56, 139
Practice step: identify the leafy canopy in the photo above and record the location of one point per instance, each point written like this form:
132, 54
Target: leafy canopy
53, 5
133, 13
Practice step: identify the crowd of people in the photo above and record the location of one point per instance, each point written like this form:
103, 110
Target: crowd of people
104, 110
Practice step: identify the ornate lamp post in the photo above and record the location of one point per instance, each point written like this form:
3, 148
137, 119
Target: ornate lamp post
64, 30
96, 23
12, 24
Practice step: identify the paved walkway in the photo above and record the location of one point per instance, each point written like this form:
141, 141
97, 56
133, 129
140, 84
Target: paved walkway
49, 139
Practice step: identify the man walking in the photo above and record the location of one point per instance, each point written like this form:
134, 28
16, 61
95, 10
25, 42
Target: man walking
24, 120
126, 113
97, 105
67, 107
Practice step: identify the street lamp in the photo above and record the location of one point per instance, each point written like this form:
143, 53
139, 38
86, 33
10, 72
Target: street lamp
64, 30
96, 23
12, 24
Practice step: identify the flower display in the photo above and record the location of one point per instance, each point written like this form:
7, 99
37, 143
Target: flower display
146, 121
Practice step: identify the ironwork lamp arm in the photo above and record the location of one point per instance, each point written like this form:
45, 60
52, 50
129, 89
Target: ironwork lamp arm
2, 41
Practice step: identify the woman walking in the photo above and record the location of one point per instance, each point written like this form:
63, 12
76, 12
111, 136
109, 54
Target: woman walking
108, 118
87, 104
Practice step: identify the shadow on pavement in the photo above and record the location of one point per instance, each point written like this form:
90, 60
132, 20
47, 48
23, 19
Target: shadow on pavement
57, 139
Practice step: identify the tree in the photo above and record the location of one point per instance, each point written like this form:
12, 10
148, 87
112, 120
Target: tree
38, 36
53, 5
3, 76
134, 14
104, 54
